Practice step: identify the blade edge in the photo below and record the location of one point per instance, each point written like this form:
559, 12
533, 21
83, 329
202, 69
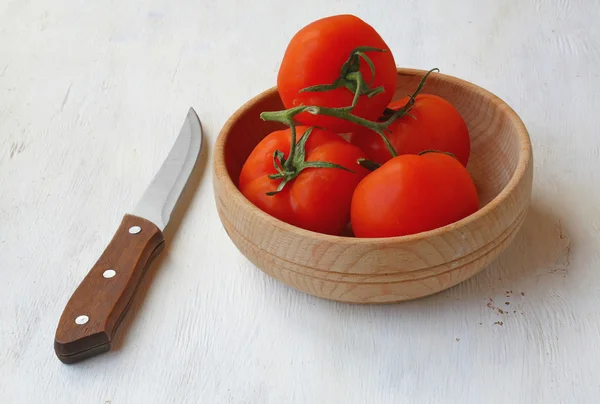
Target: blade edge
160, 197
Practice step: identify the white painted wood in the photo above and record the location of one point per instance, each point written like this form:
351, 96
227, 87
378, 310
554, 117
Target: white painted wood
92, 94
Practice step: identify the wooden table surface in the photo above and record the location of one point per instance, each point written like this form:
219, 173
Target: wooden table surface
92, 94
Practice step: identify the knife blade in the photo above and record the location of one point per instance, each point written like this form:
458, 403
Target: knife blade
96, 308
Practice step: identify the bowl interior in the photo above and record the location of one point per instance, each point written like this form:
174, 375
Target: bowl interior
495, 145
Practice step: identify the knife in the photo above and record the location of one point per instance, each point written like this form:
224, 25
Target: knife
99, 304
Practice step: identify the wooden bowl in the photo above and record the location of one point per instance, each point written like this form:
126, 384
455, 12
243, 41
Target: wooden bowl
385, 269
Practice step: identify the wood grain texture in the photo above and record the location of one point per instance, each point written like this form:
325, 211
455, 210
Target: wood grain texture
91, 99
396, 268
104, 300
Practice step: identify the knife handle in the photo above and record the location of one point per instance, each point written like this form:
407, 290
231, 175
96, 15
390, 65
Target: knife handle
99, 304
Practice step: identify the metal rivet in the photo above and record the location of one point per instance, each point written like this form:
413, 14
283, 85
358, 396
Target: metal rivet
109, 273
82, 320
135, 229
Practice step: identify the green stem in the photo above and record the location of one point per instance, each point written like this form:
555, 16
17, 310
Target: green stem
436, 151
359, 89
289, 163
368, 164
411, 101
342, 113
287, 116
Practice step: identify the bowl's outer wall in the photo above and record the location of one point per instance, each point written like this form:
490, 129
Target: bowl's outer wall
393, 269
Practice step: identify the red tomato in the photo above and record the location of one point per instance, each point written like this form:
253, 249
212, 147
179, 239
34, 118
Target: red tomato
436, 125
318, 199
411, 194
315, 56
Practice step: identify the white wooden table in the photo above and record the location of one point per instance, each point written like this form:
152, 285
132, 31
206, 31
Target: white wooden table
92, 94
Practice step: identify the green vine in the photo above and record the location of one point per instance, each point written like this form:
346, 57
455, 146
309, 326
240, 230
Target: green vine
352, 79
287, 116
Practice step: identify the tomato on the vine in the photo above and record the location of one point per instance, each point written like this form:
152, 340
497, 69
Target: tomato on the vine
337, 77
313, 198
412, 193
435, 124
316, 56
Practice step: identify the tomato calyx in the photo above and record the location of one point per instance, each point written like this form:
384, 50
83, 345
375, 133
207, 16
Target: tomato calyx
351, 77
288, 169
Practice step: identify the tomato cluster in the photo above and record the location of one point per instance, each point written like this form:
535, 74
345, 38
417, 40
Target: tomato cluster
351, 155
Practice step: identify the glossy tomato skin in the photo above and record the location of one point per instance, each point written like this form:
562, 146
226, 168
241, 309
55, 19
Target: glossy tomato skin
410, 194
436, 125
319, 198
315, 56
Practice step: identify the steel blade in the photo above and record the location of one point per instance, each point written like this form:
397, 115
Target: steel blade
162, 194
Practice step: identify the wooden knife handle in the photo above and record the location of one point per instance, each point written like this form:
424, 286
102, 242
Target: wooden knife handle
98, 305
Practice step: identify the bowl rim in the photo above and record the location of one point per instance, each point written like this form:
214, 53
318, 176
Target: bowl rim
525, 159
